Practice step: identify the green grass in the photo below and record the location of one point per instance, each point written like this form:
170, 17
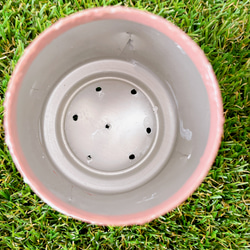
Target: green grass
217, 215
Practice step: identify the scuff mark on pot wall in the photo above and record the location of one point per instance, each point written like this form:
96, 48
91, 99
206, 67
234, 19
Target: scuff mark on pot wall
185, 133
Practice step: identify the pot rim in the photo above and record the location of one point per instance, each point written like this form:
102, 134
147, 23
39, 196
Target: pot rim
187, 45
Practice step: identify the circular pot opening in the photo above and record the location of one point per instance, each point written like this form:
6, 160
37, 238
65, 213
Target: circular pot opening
113, 116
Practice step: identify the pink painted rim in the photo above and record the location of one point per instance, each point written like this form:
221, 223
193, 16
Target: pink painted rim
191, 49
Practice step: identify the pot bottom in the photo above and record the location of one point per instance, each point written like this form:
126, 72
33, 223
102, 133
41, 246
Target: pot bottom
104, 123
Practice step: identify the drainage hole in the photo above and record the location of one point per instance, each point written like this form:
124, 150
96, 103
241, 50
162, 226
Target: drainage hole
132, 157
148, 130
98, 89
89, 157
75, 117
107, 126
133, 92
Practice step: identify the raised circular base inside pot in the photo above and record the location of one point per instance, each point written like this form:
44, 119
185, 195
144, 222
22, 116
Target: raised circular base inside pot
113, 116
101, 123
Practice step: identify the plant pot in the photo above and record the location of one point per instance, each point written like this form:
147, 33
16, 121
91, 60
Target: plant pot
113, 116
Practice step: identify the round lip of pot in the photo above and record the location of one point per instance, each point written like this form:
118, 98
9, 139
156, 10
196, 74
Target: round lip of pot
187, 45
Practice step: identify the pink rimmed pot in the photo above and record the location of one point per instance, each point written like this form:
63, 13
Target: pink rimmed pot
113, 116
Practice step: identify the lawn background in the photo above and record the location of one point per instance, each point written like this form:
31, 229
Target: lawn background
217, 215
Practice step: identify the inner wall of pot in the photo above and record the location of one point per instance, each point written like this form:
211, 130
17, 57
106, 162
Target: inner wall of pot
133, 43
